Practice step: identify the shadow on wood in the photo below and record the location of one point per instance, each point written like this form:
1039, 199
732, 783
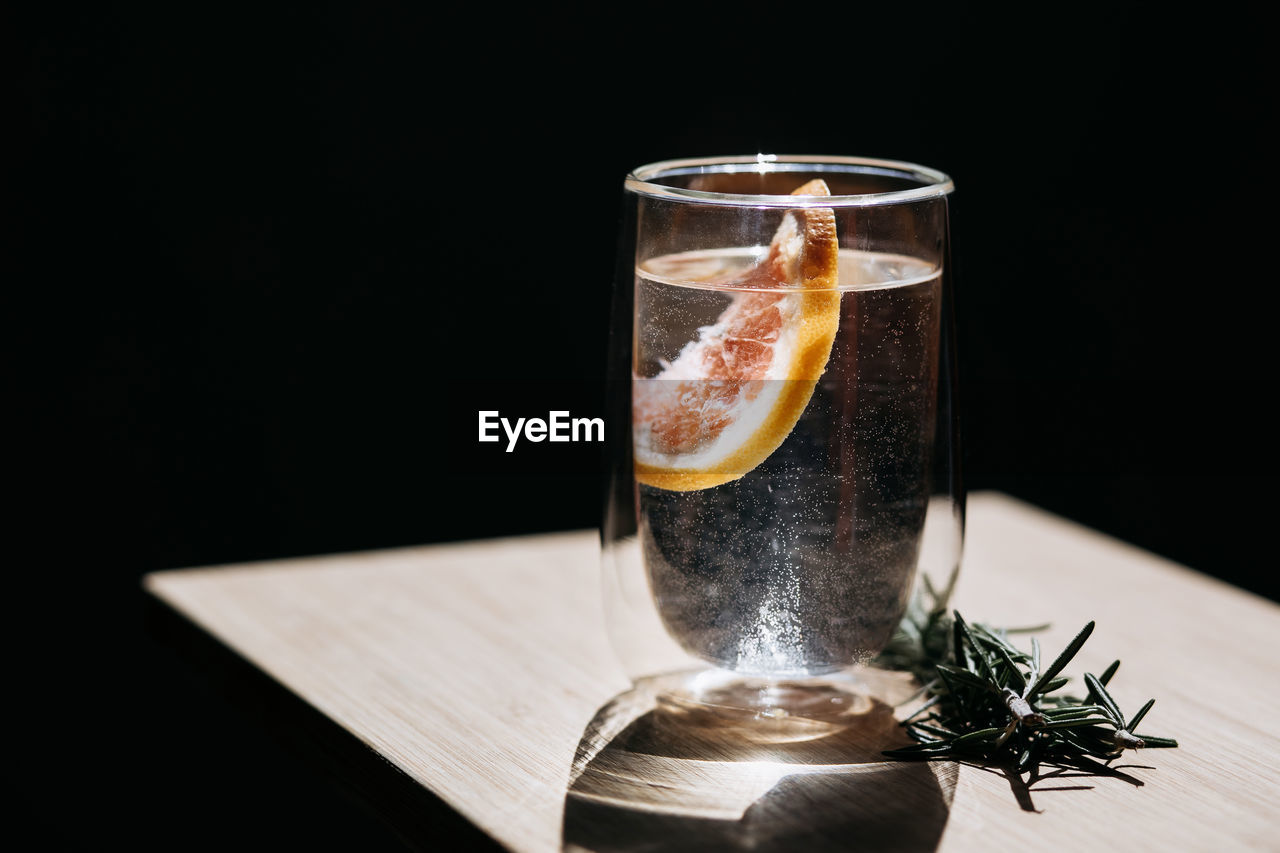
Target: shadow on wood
380, 796
651, 776
1024, 784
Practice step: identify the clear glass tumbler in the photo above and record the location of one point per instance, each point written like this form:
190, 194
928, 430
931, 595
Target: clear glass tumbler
782, 357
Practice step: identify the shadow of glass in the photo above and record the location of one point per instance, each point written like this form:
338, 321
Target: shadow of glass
652, 776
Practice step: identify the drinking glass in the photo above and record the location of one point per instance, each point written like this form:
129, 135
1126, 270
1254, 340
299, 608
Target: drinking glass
784, 478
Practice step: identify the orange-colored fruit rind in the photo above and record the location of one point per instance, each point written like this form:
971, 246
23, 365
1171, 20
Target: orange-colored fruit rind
811, 332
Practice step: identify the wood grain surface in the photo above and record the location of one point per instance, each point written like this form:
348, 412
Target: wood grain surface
482, 672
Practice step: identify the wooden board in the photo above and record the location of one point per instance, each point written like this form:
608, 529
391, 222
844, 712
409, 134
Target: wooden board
482, 672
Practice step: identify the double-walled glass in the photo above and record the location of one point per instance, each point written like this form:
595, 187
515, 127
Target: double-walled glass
789, 472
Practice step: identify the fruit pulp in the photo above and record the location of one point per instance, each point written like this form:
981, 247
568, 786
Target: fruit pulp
802, 565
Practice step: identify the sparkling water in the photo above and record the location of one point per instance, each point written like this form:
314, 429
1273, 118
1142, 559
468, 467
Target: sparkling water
804, 564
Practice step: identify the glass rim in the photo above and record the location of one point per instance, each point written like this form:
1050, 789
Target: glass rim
934, 184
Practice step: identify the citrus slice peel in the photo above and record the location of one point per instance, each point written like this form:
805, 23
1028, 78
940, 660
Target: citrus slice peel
732, 396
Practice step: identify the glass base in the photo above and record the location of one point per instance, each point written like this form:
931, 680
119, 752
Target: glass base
708, 760
758, 710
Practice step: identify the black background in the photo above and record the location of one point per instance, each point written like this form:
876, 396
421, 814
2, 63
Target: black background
264, 265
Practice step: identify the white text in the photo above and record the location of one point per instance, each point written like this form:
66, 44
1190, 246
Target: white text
558, 426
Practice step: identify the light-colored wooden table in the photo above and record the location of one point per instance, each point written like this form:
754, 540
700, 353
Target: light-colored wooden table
482, 672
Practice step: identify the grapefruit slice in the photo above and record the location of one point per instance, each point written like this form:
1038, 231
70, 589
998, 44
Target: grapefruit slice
731, 397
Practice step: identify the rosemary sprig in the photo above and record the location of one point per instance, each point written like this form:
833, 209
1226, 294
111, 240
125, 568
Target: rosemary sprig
987, 700
922, 639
